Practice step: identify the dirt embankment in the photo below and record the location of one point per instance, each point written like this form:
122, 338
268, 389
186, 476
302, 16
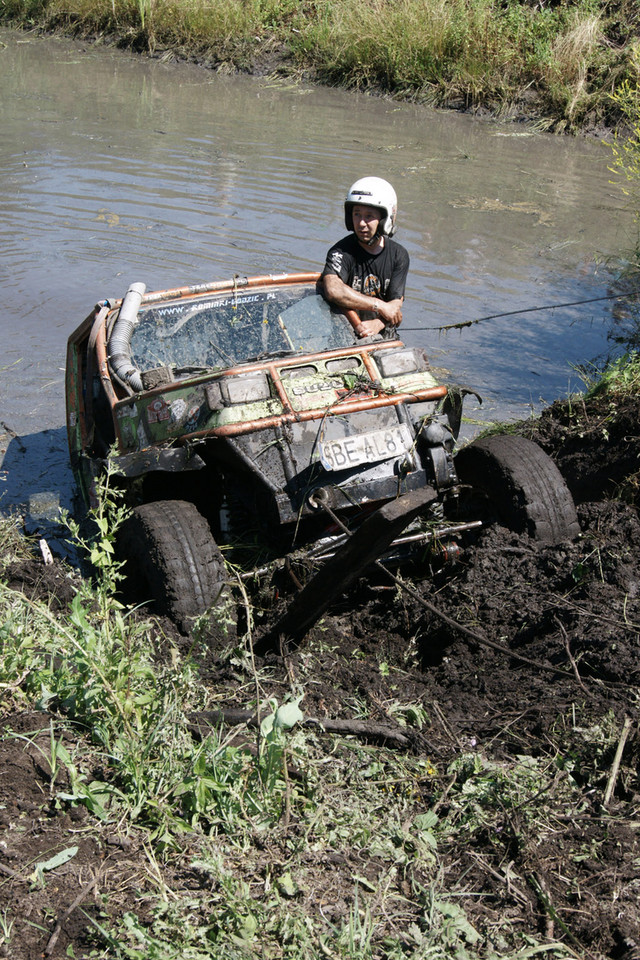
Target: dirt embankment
561, 686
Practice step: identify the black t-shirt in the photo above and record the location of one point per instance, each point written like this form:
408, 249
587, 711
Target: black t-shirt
381, 275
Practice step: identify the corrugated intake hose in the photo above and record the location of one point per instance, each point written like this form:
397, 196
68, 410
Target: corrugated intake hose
120, 339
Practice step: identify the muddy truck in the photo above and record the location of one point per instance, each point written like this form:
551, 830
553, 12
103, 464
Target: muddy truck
248, 425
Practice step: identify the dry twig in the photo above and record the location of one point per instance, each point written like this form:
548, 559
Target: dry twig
88, 887
574, 665
615, 766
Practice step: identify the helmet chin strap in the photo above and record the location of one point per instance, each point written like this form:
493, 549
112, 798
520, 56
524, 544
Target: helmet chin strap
378, 238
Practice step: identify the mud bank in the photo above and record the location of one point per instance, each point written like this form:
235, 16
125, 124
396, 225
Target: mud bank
557, 683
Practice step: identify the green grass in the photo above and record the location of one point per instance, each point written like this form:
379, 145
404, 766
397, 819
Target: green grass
619, 378
562, 60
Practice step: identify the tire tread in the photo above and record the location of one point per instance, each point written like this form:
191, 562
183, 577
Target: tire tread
525, 484
170, 543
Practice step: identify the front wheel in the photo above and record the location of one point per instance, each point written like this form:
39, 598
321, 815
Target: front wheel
519, 486
172, 559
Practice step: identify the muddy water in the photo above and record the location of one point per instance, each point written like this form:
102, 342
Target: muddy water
116, 169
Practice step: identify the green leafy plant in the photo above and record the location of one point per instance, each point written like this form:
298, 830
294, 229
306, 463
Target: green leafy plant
626, 146
104, 520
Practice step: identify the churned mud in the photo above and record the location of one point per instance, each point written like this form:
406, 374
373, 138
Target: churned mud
511, 647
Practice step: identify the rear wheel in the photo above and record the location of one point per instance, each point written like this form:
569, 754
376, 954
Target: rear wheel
172, 559
520, 486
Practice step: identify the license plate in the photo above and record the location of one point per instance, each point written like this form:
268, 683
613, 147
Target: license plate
365, 448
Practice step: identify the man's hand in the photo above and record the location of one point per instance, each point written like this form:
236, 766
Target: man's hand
390, 313
367, 328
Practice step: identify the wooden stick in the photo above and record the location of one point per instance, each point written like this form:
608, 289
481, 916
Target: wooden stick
397, 512
615, 766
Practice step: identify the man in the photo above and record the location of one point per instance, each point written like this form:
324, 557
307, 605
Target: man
366, 271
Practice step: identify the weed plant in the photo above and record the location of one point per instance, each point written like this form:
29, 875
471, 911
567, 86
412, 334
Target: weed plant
558, 60
99, 667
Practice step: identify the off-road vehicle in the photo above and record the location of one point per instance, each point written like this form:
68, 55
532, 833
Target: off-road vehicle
247, 415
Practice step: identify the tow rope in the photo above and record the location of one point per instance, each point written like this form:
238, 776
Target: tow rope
514, 313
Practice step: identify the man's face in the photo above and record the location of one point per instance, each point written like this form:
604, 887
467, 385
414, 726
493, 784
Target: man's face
365, 222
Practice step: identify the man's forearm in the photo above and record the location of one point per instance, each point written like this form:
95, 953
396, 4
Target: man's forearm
344, 296
340, 294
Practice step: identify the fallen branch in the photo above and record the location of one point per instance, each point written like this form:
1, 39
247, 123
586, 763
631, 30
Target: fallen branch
357, 728
472, 635
373, 731
552, 917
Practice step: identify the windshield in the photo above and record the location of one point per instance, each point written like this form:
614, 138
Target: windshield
216, 332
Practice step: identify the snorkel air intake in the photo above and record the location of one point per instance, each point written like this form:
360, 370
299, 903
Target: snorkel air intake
120, 339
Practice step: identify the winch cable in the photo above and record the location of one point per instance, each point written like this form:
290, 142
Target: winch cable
475, 636
515, 313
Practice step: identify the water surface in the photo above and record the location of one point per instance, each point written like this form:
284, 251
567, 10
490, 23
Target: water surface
116, 169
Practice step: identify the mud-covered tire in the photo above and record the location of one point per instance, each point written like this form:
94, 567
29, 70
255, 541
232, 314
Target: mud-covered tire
172, 559
521, 487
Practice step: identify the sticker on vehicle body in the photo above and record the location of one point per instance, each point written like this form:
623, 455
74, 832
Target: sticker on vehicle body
178, 410
157, 411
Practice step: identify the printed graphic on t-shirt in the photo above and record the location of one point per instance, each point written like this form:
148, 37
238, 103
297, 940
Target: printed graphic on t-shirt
335, 259
382, 274
371, 285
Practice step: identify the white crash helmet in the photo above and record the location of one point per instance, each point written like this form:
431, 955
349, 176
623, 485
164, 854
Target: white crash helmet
374, 192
